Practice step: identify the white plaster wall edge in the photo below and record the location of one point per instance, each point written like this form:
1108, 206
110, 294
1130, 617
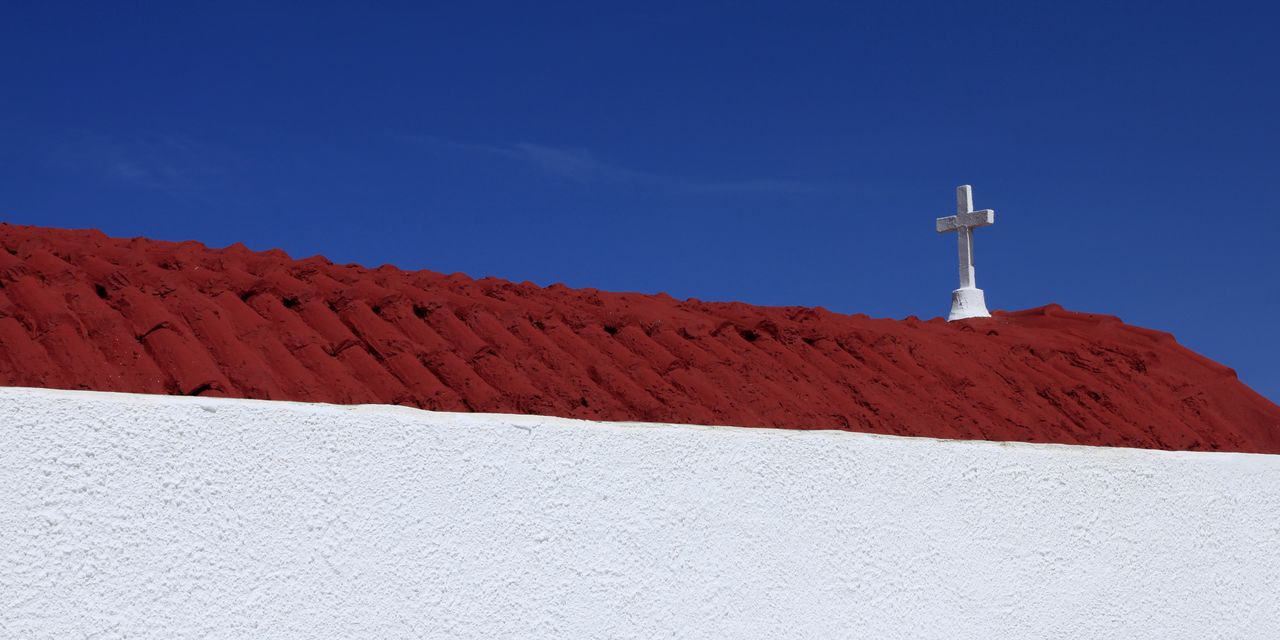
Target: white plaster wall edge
167, 517
534, 421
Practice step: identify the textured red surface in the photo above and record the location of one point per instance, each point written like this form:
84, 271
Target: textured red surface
79, 310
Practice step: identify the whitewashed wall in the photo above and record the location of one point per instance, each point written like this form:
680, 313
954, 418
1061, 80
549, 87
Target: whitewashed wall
157, 517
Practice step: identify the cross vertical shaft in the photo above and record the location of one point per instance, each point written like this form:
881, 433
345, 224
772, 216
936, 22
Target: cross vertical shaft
968, 279
964, 237
964, 199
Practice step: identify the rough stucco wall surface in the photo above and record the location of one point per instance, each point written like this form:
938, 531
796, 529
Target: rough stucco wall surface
162, 517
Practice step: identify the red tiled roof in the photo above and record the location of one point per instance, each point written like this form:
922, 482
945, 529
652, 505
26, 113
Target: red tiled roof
80, 310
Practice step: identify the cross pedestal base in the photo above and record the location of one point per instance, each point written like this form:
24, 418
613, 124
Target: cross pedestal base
968, 302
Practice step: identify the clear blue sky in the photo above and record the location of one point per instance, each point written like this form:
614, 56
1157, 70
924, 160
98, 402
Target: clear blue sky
780, 153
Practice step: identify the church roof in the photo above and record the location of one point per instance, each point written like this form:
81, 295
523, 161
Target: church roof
80, 310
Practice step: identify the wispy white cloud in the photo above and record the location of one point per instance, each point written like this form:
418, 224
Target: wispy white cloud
145, 161
580, 165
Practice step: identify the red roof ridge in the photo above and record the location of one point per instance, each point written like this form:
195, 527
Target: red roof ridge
81, 310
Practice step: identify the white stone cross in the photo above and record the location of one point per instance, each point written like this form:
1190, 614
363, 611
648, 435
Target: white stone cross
967, 301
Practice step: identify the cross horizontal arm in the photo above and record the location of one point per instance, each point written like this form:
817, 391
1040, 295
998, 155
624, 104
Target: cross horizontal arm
972, 219
983, 218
